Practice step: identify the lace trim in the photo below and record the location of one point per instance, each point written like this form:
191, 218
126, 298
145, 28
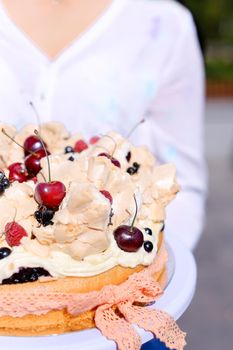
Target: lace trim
116, 307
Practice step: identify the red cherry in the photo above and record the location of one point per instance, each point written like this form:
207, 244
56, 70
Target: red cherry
32, 161
107, 195
80, 146
17, 172
50, 194
113, 160
94, 139
128, 238
32, 144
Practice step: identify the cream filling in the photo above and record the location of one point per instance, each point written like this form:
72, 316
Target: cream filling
59, 264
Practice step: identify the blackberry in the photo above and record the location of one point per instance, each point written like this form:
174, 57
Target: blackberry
44, 216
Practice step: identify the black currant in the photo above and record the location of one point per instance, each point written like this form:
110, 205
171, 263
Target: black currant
131, 171
148, 231
136, 165
5, 182
69, 149
4, 252
148, 246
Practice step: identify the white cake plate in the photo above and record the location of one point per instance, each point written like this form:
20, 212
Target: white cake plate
176, 299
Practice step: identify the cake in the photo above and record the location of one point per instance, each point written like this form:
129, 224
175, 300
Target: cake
81, 242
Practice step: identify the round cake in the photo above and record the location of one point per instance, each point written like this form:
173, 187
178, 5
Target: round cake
81, 240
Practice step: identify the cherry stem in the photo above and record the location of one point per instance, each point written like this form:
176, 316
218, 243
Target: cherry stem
115, 144
135, 127
18, 144
43, 176
135, 215
36, 114
47, 156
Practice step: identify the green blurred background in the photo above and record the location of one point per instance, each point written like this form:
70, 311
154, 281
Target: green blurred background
214, 19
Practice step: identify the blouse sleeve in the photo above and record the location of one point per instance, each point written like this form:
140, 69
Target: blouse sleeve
177, 121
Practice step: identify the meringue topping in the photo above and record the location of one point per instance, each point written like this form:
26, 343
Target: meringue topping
80, 241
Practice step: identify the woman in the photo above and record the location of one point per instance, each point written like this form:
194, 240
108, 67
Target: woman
102, 65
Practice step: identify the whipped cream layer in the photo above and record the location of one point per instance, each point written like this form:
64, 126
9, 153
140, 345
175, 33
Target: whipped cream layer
81, 241
60, 264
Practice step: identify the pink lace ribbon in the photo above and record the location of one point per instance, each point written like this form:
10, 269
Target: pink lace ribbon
116, 307
115, 319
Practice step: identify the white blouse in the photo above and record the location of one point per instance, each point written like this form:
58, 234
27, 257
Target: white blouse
140, 58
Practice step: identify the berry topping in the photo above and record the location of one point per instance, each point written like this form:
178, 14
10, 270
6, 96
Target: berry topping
136, 165
113, 160
129, 238
14, 233
94, 139
69, 149
32, 161
128, 157
4, 252
2, 189
32, 144
44, 216
50, 194
107, 195
148, 231
26, 274
133, 169
17, 172
4, 182
148, 246
71, 159
80, 146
